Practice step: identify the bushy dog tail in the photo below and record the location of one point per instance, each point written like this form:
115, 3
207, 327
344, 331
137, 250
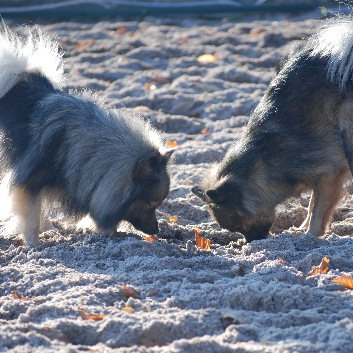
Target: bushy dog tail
334, 42
34, 51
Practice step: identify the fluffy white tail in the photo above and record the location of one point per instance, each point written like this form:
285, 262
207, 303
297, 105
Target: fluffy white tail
334, 41
33, 52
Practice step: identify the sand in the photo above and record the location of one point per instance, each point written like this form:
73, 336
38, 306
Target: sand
236, 297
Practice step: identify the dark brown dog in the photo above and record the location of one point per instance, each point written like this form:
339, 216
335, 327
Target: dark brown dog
300, 137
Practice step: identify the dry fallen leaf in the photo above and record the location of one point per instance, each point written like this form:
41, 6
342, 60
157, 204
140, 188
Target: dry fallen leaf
121, 30
321, 269
172, 219
141, 107
256, 31
201, 242
129, 292
128, 309
345, 281
207, 58
205, 131
151, 238
84, 45
171, 143
17, 295
151, 85
87, 316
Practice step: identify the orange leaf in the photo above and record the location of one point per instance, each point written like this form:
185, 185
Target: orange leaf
172, 219
151, 238
86, 316
17, 295
171, 143
205, 131
84, 45
121, 30
201, 242
256, 32
345, 281
128, 309
280, 260
129, 292
207, 58
141, 107
321, 269
151, 85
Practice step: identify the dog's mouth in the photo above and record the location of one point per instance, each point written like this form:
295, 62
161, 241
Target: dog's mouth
255, 232
147, 229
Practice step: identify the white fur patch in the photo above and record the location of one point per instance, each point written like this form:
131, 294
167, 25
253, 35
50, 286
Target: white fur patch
35, 51
334, 41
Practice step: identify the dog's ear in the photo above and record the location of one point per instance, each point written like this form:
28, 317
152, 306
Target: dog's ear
166, 156
147, 167
199, 192
227, 195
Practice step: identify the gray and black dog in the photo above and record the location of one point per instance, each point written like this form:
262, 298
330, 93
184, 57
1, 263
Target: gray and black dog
300, 137
66, 147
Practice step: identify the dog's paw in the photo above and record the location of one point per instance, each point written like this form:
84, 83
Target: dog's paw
86, 225
294, 231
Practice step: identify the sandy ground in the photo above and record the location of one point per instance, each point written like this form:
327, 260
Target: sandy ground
236, 297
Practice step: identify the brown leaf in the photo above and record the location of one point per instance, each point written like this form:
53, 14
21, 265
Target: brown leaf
172, 219
346, 281
201, 242
87, 316
121, 30
151, 85
151, 238
17, 295
321, 269
141, 107
256, 31
171, 143
205, 131
84, 45
129, 292
128, 309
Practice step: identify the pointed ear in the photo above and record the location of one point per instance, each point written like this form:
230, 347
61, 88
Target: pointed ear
199, 192
227, 195
146, 167
216, 196
166, 156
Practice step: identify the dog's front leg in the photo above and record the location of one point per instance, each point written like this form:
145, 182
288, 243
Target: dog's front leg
326, 194
28, 208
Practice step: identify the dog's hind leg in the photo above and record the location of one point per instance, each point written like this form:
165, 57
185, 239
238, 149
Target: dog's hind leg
307, 219
28, 208
306, 222
326, 193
